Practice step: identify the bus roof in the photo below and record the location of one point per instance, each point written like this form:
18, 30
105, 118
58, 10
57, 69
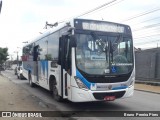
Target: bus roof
71, 24
47, 32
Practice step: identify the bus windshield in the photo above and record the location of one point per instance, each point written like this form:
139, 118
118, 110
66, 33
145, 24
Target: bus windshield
104, 54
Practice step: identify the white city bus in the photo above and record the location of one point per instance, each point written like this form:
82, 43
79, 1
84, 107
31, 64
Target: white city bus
82, 60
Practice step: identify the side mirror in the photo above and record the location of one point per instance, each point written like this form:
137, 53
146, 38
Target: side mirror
73, 41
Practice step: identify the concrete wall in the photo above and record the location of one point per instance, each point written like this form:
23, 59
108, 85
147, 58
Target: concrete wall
148, 64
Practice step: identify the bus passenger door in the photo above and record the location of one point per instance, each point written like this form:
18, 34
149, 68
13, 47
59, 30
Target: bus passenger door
35, 59
65, 62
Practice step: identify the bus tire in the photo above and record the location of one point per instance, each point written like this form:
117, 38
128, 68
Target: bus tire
30, 80
20, 77
55, 94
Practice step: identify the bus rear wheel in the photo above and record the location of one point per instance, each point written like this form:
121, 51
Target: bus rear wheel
55, 94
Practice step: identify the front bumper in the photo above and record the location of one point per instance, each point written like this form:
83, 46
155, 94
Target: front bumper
79, 95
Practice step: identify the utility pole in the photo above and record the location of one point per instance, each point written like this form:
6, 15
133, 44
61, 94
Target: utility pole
17, 57
0, 5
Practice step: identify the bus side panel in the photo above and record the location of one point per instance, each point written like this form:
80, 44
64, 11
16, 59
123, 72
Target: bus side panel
59, 83
54, 70
69, 95
43, 74
25, 71
28, 66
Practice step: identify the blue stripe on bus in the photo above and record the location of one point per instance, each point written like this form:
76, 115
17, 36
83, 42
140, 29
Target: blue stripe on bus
44, 67
118, 88
28, 68
80, 76
88, 84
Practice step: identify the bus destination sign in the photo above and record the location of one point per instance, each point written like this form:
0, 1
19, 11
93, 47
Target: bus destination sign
99, 26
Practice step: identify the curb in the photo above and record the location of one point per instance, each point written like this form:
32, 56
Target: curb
147, 91
148, 83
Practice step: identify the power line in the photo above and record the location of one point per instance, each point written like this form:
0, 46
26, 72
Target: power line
148, 39
145, 41
99, 7
142, 14
146, 21
147, 36
90, 11
109, 5
146, 27
147, 31
153, 41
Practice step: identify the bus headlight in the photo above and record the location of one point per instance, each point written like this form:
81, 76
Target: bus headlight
80, 84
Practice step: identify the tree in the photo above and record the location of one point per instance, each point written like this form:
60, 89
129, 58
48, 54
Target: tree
3, 56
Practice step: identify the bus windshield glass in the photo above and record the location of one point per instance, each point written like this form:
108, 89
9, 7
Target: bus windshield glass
104, 54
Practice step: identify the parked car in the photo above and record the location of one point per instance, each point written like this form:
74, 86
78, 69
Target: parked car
20, 73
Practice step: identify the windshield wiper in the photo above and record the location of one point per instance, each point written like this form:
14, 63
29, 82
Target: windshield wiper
111, 50
114, 46
102, 45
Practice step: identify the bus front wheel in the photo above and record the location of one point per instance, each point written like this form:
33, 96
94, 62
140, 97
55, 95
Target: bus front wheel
55, 94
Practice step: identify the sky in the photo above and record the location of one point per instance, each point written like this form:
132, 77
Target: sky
23, 20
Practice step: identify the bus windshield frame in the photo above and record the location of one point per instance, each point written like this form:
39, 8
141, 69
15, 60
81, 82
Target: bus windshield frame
103, 53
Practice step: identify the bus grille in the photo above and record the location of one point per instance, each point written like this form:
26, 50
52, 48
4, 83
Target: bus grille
101, 96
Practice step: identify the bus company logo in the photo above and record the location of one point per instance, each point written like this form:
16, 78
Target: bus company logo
104, 86
6, 114
110, 87
93, 86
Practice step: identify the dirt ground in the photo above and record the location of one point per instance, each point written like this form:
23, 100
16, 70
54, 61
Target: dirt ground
15, 98
149, 88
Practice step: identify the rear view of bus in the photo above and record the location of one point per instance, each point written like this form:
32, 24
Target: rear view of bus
104, 61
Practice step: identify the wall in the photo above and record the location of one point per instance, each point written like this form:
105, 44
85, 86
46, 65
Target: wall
148, 64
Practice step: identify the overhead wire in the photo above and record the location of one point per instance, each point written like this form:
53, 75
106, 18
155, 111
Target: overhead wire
147, 36
146, 21
142, 14
146, 42
99, 7
103, 6
147, 27
113, 2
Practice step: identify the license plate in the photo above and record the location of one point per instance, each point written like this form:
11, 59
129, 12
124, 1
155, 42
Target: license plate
109, 98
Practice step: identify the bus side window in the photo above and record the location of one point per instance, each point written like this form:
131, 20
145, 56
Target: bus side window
65, 53
68, 55
35, 53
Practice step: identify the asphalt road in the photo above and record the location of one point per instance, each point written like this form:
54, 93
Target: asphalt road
141, 101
